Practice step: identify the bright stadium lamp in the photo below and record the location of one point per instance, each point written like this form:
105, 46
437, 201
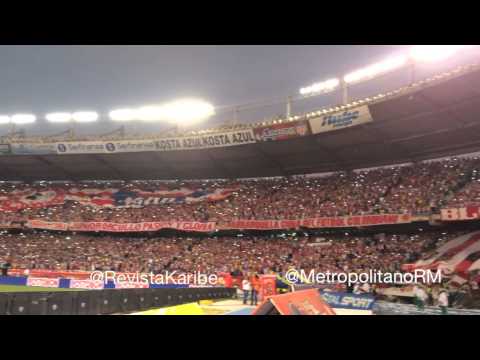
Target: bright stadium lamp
432, 53
324, 86
123, 115
4, 119
150, 113
59, 117
187, 111
376, 69
21, 119
85, 116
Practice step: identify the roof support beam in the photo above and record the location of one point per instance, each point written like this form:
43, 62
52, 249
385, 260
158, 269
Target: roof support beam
171, 169
258, 149
218, 165
439, 110
49, 163
108, 165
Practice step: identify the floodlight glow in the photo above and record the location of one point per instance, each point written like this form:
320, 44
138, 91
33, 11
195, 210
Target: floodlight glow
432, 53
123, 115
21, 119
151, 113
59, 117
187, 111
85, 116
4, 119
376, 69
324, 86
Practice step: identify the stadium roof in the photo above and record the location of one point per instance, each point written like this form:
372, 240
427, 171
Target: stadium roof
436, 120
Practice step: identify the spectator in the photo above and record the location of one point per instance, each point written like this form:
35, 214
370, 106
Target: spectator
443, 301
246, 288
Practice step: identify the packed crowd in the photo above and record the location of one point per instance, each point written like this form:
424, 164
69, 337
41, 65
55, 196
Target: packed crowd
468, 195
272, 254
418, 189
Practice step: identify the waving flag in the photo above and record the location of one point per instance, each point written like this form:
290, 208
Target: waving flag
458, 256
18, 200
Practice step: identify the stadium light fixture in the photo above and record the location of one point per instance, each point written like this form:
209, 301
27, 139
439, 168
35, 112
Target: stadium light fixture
21, 119
321, 87
187, 112
123, 115
85, 116
374, 70
4, 119
433, 53
180, 112
59, 117
150, 113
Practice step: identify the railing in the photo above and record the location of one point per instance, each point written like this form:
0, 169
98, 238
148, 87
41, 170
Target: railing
102, 302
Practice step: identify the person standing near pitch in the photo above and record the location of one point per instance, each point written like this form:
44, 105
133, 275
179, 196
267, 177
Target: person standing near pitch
255, 283
421, 296
246, 288
443, 301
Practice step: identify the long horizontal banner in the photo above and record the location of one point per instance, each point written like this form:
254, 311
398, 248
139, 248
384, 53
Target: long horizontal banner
206, 141
317, 223
33, 149
10, 225
104, 147
112, 198
123, 227
341, 120
347, 221
283, 131
195, 142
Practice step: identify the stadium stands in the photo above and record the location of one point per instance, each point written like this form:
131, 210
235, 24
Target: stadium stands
419, 189
262, 254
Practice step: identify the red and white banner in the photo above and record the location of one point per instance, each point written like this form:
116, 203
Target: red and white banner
44, 273
47, 225
457, 214
458, 256
43, 282
112, 198
283, 131
10, 225
131, 285
126, 227
86, 284
317, 223
314, 223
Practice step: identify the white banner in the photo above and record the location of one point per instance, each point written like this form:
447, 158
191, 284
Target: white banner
168, 144
104, 147
341, 120
240, 137
32, 149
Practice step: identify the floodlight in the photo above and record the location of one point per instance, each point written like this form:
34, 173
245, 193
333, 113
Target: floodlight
59, 117
4, 119
376, 69
324, 86
123, 115
187, 111
432, 53
21, 119
85, 116
150, 113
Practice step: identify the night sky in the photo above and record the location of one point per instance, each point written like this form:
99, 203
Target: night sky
42, 79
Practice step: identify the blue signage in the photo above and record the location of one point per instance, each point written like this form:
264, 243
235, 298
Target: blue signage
348, 300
